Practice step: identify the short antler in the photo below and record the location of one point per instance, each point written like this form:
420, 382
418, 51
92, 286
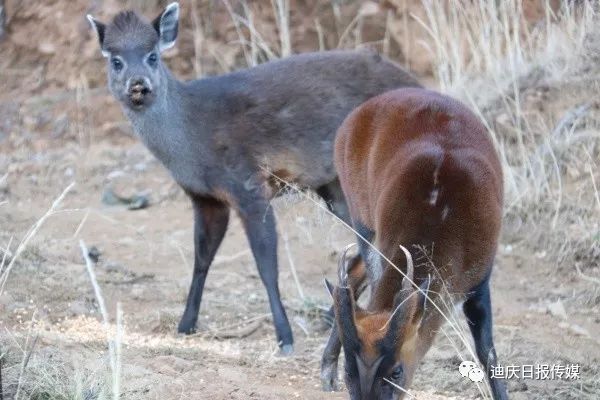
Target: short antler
342, 270
407, 282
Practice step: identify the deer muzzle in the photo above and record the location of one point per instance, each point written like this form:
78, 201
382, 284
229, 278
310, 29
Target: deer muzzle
138, 90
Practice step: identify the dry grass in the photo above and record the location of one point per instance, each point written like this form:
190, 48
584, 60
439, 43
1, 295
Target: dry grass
114, 340
57, 380
7, 266
487, 54
49, 381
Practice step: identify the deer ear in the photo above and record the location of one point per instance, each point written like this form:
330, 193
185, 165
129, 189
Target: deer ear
344, 309
407, 309
99, 28
167, 26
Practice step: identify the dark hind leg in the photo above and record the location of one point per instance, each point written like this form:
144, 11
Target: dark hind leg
478, 310
334, 198
260, 226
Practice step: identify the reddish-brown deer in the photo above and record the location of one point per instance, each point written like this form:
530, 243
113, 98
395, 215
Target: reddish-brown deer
419, 172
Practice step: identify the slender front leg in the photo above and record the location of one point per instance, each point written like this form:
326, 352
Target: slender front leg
329, 361
259, 223
210, 223
478, 310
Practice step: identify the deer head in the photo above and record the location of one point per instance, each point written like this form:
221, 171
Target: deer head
380, 347
132, 46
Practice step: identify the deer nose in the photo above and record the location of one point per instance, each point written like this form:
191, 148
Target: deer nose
138, 87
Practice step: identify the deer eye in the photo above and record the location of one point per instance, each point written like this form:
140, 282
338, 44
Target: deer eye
153, 59
117, 64
397, 373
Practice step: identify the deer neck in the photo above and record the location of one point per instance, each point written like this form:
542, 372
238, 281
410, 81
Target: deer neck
160, 126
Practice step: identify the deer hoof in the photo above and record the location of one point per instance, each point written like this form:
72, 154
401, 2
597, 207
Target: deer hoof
329, 379
286, 350
186, 328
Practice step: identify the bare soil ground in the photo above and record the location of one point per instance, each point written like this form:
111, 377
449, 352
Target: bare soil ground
58, 125
145, 264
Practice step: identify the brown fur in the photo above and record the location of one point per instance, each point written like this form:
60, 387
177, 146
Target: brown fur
419, 169
386, 153
371, 329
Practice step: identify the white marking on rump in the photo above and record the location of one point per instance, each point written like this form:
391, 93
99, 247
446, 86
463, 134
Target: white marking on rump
434, 196
436, 175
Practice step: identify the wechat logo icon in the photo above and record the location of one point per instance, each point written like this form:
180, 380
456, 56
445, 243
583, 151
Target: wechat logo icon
469, 369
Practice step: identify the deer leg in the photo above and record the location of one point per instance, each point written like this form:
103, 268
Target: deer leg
259, 222
210, 223
334, 198
329, 361
478, 310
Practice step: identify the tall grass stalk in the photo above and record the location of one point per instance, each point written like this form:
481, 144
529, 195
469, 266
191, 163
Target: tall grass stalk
114, 340
484, 52
5, 271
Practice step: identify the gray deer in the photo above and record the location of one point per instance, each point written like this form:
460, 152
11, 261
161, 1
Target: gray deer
225, 138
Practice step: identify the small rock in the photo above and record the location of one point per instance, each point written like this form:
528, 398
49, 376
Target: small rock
47, 48
557, 309
136, 202
94, 254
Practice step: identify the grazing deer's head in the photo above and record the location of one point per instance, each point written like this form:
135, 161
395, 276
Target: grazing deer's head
380, 348
132, 46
